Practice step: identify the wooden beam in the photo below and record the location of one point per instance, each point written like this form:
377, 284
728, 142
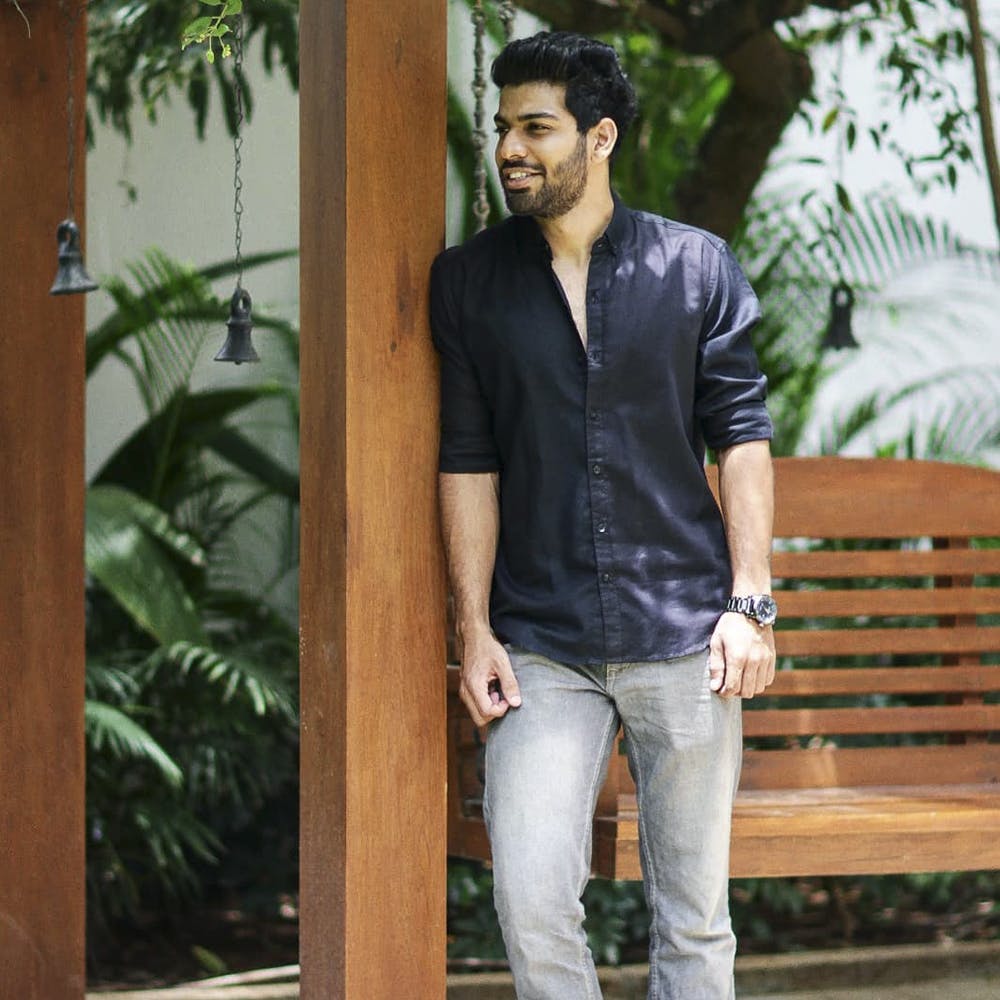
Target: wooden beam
41, 521
373, 814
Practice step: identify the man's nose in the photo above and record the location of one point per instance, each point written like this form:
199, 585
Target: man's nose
510, 147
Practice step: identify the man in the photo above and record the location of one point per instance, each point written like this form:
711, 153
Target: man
588, 355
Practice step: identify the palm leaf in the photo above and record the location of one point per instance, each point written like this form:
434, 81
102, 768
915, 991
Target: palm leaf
170, 296
124, 550
926, 305
236, 677
125, 739
156, 459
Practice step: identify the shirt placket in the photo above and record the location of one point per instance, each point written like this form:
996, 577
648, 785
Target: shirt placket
598, 443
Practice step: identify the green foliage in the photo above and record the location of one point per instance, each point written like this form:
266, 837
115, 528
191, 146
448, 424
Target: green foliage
918, 43
473, 930
769, 915
678, 98
213, 28
139, 55
191, 673
794, 253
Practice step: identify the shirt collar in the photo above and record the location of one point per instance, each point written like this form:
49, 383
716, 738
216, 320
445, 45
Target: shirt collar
529, 234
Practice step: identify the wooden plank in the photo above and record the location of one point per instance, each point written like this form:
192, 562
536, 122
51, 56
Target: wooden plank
852, 721
884, 853
889, 601
372, 597
832, 497
875, 832
879, 641
884, 680
884, 562
849, 767
41, 520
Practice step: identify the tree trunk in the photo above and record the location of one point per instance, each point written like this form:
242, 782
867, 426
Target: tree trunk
984, 105
769, 82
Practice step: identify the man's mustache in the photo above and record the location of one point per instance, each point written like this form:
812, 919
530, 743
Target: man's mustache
521, 165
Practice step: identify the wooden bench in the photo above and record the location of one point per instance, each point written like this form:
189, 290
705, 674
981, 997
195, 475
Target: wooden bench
876, 749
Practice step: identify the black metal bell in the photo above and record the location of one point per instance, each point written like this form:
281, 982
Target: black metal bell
71, 275
238, 346
838, 332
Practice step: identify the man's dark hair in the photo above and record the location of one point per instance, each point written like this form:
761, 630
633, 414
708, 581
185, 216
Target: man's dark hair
596, 84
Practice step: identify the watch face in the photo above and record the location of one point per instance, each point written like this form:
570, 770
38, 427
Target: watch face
766, 610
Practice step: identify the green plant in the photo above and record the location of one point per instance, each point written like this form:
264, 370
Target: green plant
921, 385
136, 59
191, 667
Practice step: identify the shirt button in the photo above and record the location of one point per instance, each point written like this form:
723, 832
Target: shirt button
606, 577
602, 526
596, 469
595, 296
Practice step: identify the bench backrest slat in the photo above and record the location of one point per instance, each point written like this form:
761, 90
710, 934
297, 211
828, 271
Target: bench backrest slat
934, 601
883, 641
883, 498
911, 563
855, 721
886, 680
846, 767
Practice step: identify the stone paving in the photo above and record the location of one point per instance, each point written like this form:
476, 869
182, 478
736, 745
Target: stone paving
913, 972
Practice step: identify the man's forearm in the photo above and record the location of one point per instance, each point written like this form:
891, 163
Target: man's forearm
470, 524
746, 490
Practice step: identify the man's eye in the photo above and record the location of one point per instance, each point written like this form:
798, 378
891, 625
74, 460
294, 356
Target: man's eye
500, 129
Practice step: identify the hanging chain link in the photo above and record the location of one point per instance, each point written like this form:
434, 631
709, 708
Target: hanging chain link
70, 12
507, 15
238, 145
480, 202
506, 12
840, 154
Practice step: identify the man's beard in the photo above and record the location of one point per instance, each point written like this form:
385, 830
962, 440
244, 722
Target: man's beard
556, 196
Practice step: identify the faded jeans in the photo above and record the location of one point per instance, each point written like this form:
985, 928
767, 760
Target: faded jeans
545, 763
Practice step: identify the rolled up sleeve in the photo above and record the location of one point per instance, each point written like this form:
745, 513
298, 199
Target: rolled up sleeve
467, 443
730, 388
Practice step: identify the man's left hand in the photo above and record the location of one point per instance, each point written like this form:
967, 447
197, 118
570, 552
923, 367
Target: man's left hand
741, 657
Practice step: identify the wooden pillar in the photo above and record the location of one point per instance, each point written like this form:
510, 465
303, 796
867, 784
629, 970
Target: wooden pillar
41, 521
372, 120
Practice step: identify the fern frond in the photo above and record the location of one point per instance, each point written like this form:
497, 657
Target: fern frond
109, 727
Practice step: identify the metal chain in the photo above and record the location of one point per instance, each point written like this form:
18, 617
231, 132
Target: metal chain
238, 145
480, 202
507, 15
840, 154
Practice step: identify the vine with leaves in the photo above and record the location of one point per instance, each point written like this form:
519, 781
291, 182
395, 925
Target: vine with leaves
212, 29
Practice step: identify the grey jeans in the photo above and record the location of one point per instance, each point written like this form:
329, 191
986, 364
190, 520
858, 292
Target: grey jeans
545, 763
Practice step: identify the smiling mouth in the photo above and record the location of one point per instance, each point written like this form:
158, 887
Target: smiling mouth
518, 177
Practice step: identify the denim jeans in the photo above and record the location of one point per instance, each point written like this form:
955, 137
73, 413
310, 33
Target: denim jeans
545, 763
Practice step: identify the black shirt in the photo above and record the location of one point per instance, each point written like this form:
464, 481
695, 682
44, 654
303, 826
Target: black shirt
612, 548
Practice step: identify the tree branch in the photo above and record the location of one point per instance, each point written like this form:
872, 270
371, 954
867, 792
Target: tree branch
984, 104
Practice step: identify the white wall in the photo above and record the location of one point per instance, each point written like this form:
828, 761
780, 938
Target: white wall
184, 200
184, 204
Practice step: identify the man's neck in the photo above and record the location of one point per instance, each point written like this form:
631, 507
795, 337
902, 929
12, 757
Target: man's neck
571, 236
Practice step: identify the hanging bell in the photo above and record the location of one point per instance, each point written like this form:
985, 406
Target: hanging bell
238, 346
71, 275
838, 332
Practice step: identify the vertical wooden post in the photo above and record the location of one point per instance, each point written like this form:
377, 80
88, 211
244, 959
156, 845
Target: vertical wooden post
372, 121
41, 521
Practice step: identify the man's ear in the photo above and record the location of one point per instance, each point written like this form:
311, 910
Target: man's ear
605, 136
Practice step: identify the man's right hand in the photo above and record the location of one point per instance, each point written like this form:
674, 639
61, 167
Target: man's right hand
488, 686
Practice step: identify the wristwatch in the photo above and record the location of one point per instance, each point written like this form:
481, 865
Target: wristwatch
761, 608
